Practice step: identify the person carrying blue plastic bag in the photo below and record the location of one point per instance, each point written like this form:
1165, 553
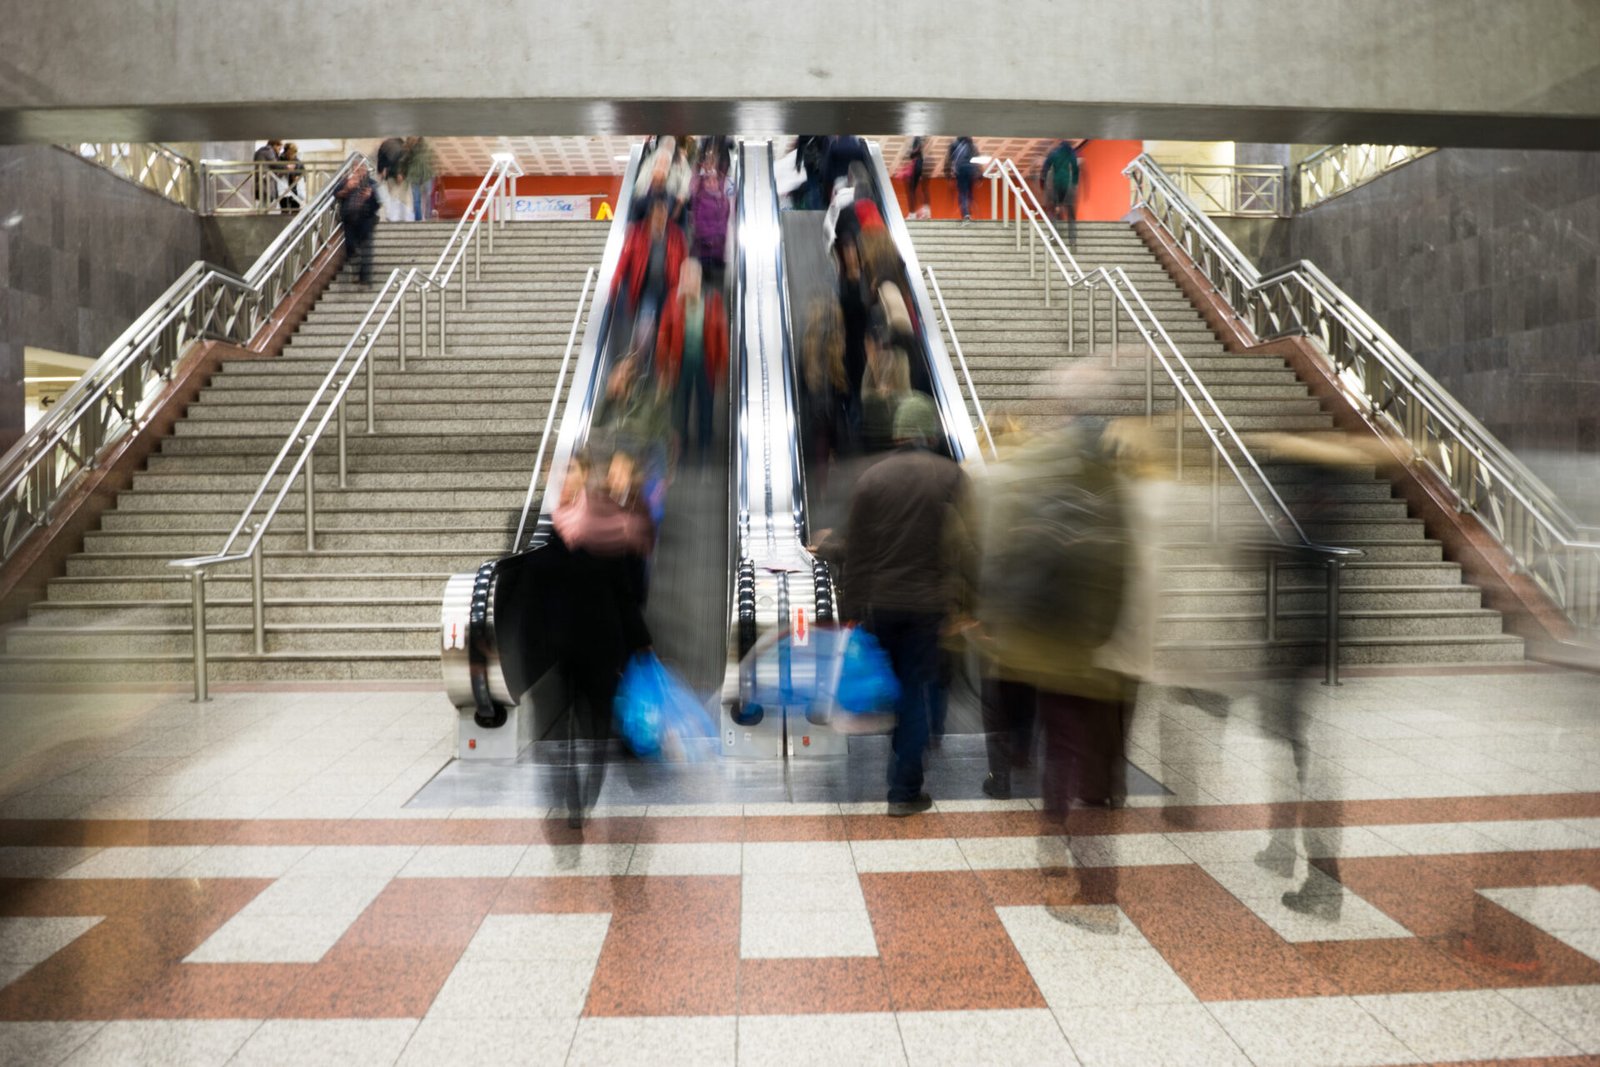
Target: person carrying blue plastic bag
659, 716
906, 564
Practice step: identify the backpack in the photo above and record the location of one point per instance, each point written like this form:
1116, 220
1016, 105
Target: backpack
1064, 557
962, 152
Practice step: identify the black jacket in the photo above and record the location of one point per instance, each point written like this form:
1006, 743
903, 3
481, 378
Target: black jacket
391, 158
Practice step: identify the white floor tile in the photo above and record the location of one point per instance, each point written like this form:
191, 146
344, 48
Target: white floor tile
244, 861
864, 1040
271, 939
1309, 1032
1036, 931
1126, 850
325, 1042
766, 893
161, 861
805, 935
463, 861
798, 857
1437, 839
31, 1044
625, 1042
1026, 1038
1150, 1035
1552, 908
17, 861
546, 861
33, 940
1471, 1025
931, 854
694, 811
326, 896
688, 859
194, 1042
1106, 977
511, 938
509, 991
1571, 1011
478, 1042
786, 808
1014, 853
343, 861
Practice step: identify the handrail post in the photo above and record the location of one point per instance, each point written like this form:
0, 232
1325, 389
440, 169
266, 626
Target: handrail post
197, 579
372, 369
1033, 250
1046, 286
1094, 342
1150, 383
343, 463
402, 345
258, 598
1272, 599
311, 498
1177, 409
1216, 492
994, 196
477, 256
1332, 665
1072, 319
443, 300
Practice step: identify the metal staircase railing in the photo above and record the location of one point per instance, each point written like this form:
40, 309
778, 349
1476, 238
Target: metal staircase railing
484, 212
1191, 396
116, 395
1397, 395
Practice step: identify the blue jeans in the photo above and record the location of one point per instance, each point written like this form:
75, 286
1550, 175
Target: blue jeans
965, 177
911, 641
421, 200
694, 389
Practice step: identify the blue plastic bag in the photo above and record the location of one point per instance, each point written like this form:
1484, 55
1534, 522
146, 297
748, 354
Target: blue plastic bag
866, 677
659, 716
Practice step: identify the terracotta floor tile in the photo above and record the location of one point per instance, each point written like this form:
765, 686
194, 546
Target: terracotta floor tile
815, 986
880, 827
1386, 966
691, 828
795, 828
961, 982
370, 983
439, 896
218, 991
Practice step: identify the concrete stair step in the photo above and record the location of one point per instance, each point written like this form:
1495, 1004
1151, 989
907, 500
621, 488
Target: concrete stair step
224, 667
235, 611
1213, 602
532, 388
1356, 651
238, 639
468, 429
1309, 625
450, 559
462, 464
1408, 550
243, 482
174, 588
292, 517
184, 543
395, 413
1200, 575
444, 500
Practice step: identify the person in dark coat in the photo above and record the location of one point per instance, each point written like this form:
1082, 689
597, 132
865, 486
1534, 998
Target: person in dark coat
391, 176
266, 189
1060, 176
960, 165
906, 557
916, 186
358, 214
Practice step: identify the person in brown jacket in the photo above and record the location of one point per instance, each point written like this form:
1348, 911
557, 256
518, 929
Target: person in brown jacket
906, 551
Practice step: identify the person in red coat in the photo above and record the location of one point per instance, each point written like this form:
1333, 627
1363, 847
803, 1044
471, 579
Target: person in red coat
652, 256
692, 354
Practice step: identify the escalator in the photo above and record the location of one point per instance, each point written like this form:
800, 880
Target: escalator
497, 645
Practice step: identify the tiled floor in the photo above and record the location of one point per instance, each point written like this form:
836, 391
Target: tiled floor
288, 878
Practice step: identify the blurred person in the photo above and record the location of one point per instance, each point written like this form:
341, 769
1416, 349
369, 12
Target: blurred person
839, 213
692, 357
918, 202
720, 149
960, 166
1059, 176
419, 174
1319, 462
665, 176
266, 190
358, 214
905, 557
710, 208
827, 389
1051, 589
854, 309
884, 387
391, 179
812, 151
607, 533
843, 155
652, 258
291, 177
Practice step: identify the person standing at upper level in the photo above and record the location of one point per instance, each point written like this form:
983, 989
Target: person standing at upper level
960, 164
266, 188
417, 169
391, 179
291, 175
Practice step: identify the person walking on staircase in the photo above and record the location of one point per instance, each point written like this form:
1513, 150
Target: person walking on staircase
358, 214
1059, 177
418, 172
960, 164
391, 179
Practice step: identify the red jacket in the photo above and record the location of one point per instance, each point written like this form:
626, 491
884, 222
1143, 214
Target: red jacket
669, 339
636, 260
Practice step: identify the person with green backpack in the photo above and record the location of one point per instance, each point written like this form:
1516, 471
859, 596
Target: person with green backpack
1060, 177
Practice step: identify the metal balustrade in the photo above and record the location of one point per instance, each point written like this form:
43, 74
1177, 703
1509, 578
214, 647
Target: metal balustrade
151, 166
487, 209
117, 394
1398, 397
1338, 168
248, 187
1237, 190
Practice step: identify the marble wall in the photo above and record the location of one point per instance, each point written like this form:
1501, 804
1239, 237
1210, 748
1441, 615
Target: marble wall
1485, 265
82, 254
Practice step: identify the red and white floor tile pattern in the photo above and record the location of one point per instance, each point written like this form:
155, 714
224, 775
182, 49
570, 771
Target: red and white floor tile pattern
243, 884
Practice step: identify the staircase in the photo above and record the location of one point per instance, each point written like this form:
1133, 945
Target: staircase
436, 490
1401, 604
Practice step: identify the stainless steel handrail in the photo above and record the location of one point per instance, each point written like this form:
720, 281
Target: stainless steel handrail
251, 187
482, 205
149, 165
961, 360
1279, 519
487, 205
1336, 169
550, 415
1395, 393
1239, 190
113, 398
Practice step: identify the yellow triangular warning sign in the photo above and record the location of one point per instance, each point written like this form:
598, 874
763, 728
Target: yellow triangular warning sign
604, 212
